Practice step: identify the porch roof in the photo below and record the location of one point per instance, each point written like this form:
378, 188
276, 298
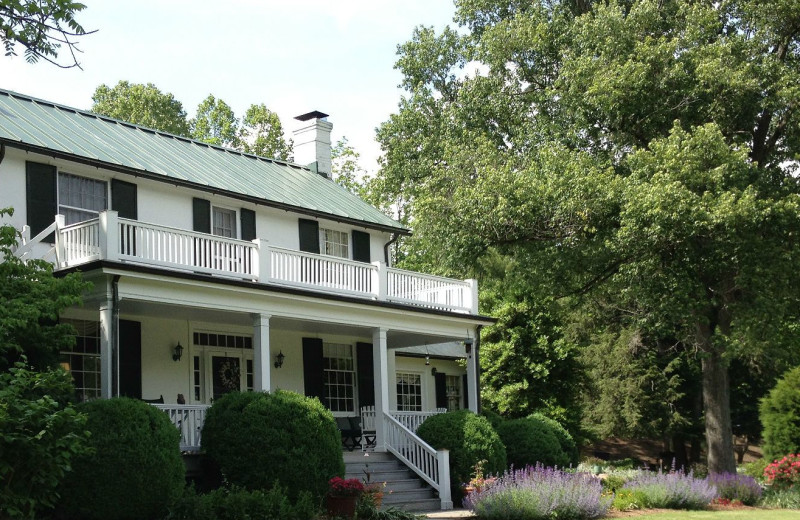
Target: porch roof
57, 130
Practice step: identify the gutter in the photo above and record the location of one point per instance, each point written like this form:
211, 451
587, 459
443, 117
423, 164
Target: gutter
386, 258
477, 347
115, 336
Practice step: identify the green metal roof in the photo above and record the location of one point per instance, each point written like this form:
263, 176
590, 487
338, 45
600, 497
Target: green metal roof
39, 125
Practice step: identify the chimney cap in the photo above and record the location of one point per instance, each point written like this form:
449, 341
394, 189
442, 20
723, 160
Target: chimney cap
316, 114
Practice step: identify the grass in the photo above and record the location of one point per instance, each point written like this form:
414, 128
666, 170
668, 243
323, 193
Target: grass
744, 514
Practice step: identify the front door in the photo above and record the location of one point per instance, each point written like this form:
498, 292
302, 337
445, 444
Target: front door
226, 375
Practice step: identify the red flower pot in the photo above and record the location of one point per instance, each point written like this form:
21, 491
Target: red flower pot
341, 506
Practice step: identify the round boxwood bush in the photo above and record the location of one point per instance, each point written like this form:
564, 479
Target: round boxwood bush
260, 439
568, 445
529, 441
470, 439
134, 470
780, 416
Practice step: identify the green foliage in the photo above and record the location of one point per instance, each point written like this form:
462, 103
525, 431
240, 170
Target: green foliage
41, 434
261, 439
41, 28
780, 415
215, 123
756, 468
565, 440
237, 504
31, 299
262, 134
636, 160
135, 470
777, 498
530, 441
347, 172
470, 439
627, 499
143, 105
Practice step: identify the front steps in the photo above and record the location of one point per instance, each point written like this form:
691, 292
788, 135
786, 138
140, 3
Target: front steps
404, 489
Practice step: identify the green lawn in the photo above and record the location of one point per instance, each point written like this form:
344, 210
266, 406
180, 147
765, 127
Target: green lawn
744, 514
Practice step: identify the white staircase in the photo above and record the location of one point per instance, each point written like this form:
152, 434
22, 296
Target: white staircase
404, 489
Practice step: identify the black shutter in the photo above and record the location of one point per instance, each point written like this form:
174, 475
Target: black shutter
247, 218
201, 215
313, 368
441, 390
366, 374
130, 359
40, 197
309, 235
465, 388
361, 246
123, 199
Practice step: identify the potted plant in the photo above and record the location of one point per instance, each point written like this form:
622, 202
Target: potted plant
343, 495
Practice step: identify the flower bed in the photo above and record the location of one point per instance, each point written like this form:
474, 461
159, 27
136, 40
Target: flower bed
540, 493
673, 490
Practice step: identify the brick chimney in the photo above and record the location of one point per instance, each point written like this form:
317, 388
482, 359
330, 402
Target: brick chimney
312, 142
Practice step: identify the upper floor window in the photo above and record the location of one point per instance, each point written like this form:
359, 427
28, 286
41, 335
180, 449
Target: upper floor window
223, 222
80, 198
334, 243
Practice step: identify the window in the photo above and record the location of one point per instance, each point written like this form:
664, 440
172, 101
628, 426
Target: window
334, 243
453, 390
82, 361
339, 377
409, 392
223, 222
80, 198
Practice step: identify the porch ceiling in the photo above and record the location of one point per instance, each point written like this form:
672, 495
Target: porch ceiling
394, 338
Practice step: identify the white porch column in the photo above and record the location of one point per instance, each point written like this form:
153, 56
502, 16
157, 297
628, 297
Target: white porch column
261, 354
381, 367
106, 345
472, 374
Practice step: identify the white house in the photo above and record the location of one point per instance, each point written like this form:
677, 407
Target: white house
215, 270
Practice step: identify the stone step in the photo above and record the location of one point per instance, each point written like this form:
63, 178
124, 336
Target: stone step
383, 476
423, 504
404, 496
359, 456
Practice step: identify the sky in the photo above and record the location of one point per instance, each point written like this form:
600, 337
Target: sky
295, 56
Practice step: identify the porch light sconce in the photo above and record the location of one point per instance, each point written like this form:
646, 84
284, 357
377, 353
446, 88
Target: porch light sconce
468, 346
427, 356
433, 371
177, 352
279, 360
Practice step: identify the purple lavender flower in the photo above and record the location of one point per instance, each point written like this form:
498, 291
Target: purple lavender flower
673, 490
539, 493
736, 487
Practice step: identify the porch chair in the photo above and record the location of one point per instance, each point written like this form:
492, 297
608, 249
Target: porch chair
351, 437
160, 400
367, 436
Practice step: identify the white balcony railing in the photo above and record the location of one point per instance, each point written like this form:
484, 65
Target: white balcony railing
412, 420
189, 419
118, 239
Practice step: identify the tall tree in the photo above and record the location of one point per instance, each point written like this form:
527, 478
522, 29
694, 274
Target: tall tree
215, 123
262, 133
635, 156
143, 105
347, 170
41, 28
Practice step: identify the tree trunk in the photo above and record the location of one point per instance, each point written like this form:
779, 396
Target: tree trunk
717, 405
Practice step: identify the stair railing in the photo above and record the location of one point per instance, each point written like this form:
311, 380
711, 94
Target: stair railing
431, 465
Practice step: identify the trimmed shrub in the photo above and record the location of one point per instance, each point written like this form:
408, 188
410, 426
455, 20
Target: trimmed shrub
470, 439
540, 493
780, 416
756, 469
136, 471
733, 486
673, 490
565, 440
529, 442
263, 439
237, 503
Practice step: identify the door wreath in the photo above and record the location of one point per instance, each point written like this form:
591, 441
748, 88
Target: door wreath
229, 375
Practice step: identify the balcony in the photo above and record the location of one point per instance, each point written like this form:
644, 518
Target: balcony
123, 240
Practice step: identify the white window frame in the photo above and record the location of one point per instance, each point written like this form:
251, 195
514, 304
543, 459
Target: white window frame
62, 205
336, 248
341, 373
405, 400
67, 358
215, 209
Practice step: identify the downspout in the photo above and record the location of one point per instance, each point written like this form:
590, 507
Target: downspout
115, 336
394, 238
477, 348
